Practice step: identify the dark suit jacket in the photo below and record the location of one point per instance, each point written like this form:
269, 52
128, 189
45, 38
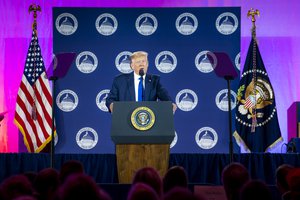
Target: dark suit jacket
123, 89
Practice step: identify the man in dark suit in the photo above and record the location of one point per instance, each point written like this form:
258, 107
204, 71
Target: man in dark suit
125, 86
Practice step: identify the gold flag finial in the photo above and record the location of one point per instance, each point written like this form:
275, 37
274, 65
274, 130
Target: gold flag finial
34, 8
252, 13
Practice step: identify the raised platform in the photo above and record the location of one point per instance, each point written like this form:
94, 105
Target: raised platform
203, 169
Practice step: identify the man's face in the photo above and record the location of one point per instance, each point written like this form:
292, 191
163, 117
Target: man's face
138, 63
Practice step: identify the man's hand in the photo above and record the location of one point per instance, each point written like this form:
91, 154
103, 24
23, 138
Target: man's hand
111, 106
174, 107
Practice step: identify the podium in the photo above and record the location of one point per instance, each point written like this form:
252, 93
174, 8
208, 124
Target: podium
142, 133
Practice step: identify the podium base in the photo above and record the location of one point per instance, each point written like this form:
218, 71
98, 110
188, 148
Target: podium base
132, 157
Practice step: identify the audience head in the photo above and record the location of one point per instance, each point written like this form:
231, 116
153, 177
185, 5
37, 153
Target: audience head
180, 193
16, 186
175, 176
46, 183
31, 176
281, 177
234, 176
255, 189
149, 176
293, 179
141, 191
81, 186
70, 167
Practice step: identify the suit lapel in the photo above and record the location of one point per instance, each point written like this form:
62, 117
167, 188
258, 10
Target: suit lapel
130, 83
147, 88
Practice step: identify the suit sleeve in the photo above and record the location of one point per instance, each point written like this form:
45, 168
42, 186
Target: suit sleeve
162, 92
113, 94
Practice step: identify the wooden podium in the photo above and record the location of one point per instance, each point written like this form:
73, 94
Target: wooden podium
137, 148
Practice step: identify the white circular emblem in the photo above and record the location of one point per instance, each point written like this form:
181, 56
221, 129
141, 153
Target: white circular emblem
222, 100
101, 99
206, 138
186, 100
227, 23
86, 62
66, 24
165, 61
55, 139
186, 23
87, 138
122, 62
106, 24
237, 61
173, 143
67, 100
203, 62
146, 24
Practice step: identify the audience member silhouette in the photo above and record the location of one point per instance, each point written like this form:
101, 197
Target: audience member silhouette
180, 193
149, 176
70, 167
281, 180
175, 176
79, 187
255, 190
234, 176
31, 176
142, 191
293, 179
16, 186
46, 183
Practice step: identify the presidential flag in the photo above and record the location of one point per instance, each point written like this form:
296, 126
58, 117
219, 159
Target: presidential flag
257, 128
33, 114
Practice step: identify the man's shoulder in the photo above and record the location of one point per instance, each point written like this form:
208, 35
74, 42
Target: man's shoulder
122, 76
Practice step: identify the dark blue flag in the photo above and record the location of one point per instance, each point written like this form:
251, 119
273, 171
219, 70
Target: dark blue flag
257, 128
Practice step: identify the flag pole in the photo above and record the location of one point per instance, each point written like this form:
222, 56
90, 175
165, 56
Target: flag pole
253, 13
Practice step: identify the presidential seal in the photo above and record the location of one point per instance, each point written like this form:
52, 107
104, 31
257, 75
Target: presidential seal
186, 100
203, 62
86, 62
87, 138
206, 138
106, 24
101, 99
142, 118
146, 24
166, 61
186, 23
227, 23
67, 100
66, 24
222, 99
122, 62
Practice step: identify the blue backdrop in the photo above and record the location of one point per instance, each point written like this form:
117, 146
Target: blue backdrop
180, 43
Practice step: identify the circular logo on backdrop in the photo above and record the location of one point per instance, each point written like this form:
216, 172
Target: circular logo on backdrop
67, 100
237, 61
142, 118
227, 23
87, 138
66, 24
203, 63
186, 100
174, 141
122, 62
106, 24
186, 23
165, 61
146, 24
101, 99
86, 62
222, 100
206, 138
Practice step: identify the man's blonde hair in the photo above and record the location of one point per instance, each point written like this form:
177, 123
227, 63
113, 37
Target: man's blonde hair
138, 54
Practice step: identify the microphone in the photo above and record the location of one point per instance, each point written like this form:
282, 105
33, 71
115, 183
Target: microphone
141, 72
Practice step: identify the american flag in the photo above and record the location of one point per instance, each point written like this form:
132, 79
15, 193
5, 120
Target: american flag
33, 114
